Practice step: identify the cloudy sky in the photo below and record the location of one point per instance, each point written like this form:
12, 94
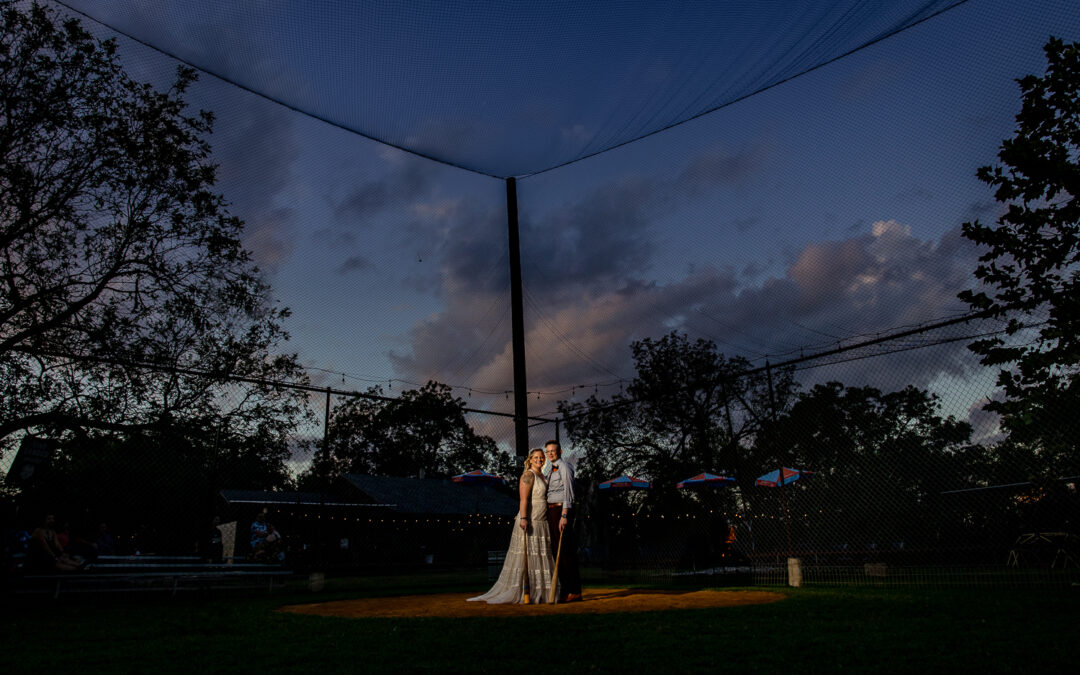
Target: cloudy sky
821, 211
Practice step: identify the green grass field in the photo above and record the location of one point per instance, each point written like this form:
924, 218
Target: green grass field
827, 630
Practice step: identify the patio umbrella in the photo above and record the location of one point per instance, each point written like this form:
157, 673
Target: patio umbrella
628, 538
625, 483
772, 479
705, 480
479, 477
779, 478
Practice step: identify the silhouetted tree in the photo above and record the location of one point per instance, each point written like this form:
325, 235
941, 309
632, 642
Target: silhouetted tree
880, 462
1031, 269
422, 429
689, 409
127, 302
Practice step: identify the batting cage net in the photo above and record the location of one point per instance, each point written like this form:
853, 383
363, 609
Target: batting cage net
793, 285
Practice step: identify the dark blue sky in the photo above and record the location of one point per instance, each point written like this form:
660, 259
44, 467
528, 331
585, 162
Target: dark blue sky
822, 209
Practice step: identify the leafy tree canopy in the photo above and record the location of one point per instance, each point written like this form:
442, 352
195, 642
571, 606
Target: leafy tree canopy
689, 409
886, 441
115, 250
422, 430
1031, 268
881, 462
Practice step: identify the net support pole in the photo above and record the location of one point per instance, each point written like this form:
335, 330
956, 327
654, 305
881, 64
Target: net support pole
324, 487
780, 471
517, 319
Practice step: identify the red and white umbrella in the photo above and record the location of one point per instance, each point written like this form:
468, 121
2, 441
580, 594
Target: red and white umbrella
774, 479
479, 477
625, 483
705, 480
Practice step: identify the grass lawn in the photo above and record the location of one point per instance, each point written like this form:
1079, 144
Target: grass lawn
813, 630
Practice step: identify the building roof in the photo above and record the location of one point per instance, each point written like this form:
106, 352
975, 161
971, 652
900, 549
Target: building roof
400, 495
291, 498
434, 495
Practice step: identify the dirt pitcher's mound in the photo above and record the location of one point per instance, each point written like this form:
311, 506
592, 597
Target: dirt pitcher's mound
599, 600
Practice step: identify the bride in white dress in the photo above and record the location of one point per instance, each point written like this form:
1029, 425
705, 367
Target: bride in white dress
531, 518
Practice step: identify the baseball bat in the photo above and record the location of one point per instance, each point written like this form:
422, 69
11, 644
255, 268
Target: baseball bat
555, 573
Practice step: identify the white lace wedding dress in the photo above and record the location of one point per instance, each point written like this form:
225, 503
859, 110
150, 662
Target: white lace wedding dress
510, 585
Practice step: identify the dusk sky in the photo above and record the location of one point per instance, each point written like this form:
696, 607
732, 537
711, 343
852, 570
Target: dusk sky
825, 208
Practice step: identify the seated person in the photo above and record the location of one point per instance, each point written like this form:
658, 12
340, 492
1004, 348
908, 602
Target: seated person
46, 553
266, 541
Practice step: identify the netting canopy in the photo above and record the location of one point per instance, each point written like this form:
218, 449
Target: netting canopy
509, 88
777, 178
686, 238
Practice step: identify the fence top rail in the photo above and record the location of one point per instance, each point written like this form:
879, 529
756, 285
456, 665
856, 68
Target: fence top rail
183, 565
98, 576
147, 558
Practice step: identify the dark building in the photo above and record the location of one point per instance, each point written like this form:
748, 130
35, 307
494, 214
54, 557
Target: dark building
381, 523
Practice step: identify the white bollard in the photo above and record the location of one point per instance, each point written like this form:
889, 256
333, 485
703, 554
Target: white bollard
794, 572
228, 541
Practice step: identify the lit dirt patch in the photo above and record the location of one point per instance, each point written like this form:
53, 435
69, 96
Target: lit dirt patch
596, 601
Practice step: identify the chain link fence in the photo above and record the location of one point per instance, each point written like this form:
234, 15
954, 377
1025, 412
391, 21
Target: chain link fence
904, 477
887, 488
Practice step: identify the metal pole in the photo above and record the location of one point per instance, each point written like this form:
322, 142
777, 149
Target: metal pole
780, 471
326, 427
323, 487
731, 457
517, 319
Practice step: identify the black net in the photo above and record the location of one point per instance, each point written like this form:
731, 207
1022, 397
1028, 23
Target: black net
881, 486
774, 190
520, 88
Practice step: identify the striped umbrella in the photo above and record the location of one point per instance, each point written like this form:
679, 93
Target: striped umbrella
479, 477
625, 483
773, 479
705, 480
779, 478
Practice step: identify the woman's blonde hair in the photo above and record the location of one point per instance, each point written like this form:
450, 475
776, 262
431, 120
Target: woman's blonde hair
529, 457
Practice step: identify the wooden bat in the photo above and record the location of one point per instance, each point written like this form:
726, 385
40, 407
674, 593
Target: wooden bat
555, 573
525, 591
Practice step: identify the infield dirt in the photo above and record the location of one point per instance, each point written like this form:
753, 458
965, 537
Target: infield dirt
595, 601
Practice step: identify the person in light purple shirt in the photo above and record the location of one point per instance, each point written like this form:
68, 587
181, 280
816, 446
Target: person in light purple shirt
560, 513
